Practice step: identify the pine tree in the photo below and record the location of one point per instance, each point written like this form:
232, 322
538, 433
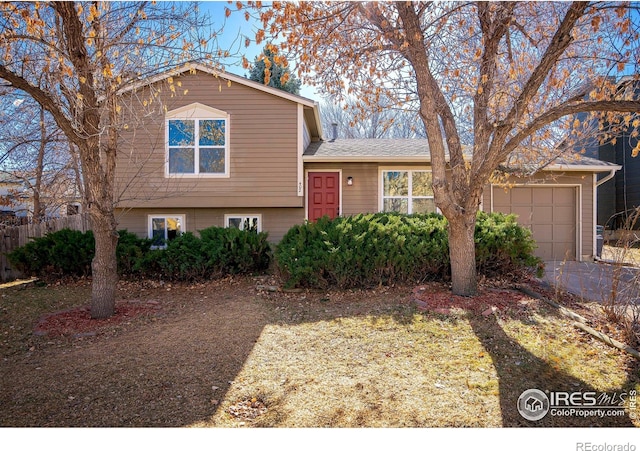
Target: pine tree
273, 70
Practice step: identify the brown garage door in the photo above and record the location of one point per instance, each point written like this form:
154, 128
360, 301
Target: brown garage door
550, 213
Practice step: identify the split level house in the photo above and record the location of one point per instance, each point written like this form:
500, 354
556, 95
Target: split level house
203, 148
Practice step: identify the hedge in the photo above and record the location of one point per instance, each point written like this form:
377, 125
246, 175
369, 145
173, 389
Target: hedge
218, 251
386, 248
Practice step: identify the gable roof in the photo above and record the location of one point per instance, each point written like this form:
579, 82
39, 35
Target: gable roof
311, 109
417, 151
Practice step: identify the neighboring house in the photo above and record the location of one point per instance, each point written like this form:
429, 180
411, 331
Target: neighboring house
234, 153
14, 201
621, 194
17, 203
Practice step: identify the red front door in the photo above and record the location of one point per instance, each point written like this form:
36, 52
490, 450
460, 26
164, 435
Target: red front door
324, 195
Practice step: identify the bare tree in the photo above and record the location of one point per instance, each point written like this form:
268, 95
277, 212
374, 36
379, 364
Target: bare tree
34, 152
507, 76
379, 121
74, 58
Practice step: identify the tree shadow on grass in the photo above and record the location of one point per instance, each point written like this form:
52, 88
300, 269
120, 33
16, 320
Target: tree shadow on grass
519, 370
178, 370
168, 371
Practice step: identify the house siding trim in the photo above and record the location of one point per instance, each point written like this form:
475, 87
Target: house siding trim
301, 148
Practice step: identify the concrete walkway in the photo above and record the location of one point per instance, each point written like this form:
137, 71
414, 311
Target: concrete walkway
595, 281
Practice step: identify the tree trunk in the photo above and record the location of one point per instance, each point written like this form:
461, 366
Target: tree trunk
462, 252
104, 265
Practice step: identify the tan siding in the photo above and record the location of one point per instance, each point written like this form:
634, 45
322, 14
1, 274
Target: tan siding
263, 152
275, 221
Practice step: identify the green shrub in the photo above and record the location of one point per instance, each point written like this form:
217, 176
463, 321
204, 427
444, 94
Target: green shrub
217, 252
387, 248
130, 250
65, 252
503, 246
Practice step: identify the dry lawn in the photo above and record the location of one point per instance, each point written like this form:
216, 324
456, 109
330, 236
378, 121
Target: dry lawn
226, 354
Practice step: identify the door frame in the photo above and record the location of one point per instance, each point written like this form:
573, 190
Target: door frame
306, 189
578, 213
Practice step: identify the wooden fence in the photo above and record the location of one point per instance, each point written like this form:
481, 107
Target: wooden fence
16, 236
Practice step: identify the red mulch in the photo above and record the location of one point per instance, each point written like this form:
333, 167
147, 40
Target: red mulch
487, 301
77, 322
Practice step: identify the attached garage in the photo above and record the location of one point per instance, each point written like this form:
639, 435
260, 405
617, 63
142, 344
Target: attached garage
551, 212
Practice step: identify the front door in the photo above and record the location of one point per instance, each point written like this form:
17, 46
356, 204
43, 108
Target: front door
324, 195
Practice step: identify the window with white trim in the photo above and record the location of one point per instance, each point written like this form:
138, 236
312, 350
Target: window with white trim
164, 228
197, 142
407, 191
244, 222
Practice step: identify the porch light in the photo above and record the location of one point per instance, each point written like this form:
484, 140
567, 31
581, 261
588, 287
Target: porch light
349, 181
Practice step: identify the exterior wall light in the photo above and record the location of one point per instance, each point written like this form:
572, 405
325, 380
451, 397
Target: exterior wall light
349, 181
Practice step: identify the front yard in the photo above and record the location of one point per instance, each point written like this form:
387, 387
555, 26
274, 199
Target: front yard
234, 353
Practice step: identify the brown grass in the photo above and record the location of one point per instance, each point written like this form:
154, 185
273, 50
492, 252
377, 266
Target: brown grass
224, 354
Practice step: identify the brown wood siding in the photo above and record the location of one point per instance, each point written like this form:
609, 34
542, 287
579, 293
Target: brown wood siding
275, 221
263, 150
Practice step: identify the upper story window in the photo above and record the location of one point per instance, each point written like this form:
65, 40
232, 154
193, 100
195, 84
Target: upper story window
407, 192
197, 139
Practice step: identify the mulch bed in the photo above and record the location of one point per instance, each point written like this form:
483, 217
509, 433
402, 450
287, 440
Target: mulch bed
78, 323
486, 302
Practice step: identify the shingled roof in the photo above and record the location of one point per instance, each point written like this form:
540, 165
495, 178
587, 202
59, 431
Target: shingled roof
417, 151
369, 150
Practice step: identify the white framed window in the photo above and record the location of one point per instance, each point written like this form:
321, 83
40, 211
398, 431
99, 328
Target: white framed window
407, 191
197, 139
252, 222
164, 228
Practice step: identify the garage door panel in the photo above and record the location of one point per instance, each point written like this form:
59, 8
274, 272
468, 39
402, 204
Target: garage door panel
563, 232
542, 230
523, 214
545, 251
564, 215
542, 196
501, 198
563, 251
542, 214
550, 213
564, 197
521, 196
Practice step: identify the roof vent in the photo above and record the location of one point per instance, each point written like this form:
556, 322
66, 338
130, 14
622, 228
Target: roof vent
334, 128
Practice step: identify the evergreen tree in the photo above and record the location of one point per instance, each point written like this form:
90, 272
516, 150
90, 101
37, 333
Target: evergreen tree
273, 70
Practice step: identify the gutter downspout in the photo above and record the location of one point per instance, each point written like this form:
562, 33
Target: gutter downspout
603, 180
612, 173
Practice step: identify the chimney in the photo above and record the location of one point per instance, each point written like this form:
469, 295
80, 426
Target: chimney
334, 128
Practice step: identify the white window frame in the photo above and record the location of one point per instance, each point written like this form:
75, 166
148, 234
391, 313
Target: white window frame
181, 218
243, 217
410, 195
197, 112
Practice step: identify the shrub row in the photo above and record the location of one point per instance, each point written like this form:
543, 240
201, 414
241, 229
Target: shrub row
384, 248
218, 251
356, 251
